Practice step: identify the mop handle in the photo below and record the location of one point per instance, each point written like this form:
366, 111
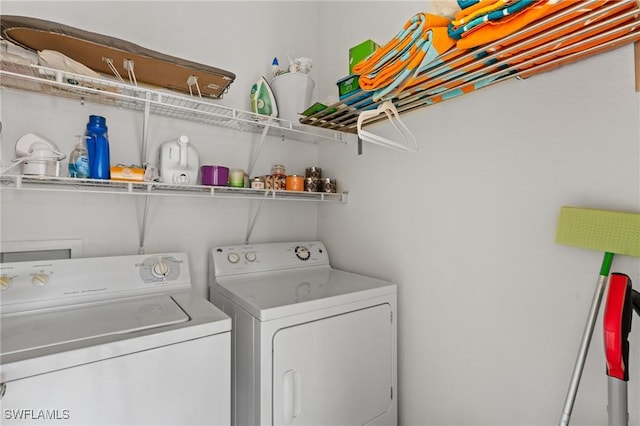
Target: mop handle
586, 338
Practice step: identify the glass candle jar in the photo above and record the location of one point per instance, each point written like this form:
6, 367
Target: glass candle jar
257, 183
236, 178
313, 172
294, 183
278, 170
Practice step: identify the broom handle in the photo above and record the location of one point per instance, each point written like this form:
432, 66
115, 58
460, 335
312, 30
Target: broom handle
586, 338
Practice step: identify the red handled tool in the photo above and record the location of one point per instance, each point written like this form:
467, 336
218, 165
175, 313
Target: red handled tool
621, 300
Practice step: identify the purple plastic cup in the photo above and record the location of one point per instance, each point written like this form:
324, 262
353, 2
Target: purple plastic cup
215, 175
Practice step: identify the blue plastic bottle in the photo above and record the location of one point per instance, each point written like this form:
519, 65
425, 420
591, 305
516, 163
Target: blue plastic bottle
98, 147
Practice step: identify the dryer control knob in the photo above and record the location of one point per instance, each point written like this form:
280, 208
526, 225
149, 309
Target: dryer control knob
233, 257
251, 256
5, 282
40, 280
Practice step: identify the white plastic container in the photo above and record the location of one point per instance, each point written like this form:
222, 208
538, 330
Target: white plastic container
293, 91
178, 162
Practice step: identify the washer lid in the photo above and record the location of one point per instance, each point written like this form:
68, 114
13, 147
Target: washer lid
22, 332
267, 296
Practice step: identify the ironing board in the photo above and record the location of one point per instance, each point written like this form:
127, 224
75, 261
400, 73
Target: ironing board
91, 49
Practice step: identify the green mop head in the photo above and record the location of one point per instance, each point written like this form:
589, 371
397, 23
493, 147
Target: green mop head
602, 230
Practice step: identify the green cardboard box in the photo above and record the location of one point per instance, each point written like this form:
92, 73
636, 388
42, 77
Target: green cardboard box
347, 85
360, 52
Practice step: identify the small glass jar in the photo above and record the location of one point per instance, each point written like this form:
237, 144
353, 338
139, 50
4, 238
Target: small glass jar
279, 182
278, 170
268, 182
312, 184
294, 183
257, 183
236, 178
329, 185
313, 172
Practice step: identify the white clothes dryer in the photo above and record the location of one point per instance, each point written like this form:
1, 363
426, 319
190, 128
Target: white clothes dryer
311, 345
117, 340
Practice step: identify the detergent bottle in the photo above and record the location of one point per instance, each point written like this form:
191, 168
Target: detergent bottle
98, 147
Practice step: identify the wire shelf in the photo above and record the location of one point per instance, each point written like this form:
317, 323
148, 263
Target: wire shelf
62, 184
47, 81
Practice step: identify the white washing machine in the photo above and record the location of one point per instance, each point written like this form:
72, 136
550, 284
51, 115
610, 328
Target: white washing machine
117, 340
311, 345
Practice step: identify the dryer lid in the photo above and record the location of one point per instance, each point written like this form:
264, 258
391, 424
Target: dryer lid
34, 330
268, 296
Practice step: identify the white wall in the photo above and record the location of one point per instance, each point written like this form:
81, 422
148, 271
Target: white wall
491, 310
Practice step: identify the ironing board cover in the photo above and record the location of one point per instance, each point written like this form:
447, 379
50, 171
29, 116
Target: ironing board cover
89, 49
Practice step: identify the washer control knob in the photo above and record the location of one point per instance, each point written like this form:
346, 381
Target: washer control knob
302, 253
250, 256
160, 269
233, 257
5, 281
40, 279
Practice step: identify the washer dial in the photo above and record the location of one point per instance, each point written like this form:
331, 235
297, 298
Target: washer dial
302, 253
159, 269
233, 257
